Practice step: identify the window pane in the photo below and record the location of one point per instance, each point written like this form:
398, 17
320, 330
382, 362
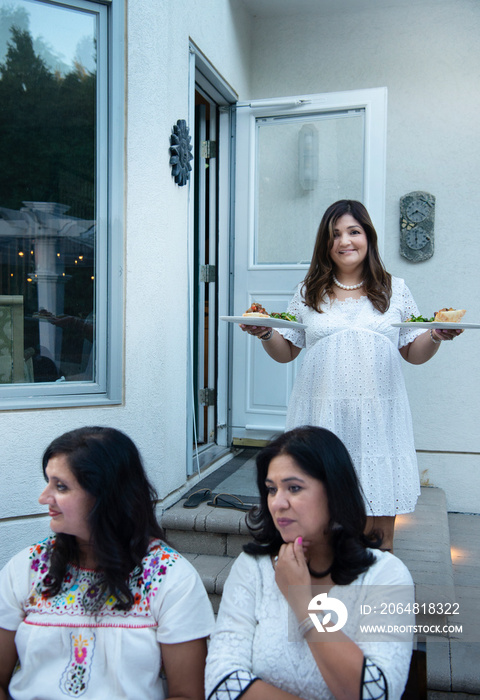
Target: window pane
304, 164
47, 192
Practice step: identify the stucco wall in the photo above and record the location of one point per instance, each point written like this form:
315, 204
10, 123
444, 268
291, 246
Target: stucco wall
427, 55
153, 413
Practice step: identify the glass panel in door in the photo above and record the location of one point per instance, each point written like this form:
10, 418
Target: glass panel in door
303, 163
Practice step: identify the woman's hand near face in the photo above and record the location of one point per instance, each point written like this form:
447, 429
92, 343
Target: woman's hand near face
293, 577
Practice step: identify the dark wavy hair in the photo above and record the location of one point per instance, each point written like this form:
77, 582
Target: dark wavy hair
319, 280
107, 464
323, 456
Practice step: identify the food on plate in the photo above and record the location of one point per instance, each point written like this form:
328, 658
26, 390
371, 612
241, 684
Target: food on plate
419, 319
284, 316
258, 310
449, 315
443, 316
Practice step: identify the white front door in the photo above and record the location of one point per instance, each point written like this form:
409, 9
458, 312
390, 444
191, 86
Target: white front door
294, 157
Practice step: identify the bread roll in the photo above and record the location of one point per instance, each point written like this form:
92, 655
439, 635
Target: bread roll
449, 315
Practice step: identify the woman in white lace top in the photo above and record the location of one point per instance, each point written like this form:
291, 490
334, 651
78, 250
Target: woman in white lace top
309, 540
350, 380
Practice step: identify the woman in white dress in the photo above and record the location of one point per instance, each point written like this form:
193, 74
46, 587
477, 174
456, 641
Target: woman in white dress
350, 380
310, 542
102, 608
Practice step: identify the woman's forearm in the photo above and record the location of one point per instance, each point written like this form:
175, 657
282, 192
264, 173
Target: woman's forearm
425, 346
338, 658
280, 349
8, 660
340, 661
422, 349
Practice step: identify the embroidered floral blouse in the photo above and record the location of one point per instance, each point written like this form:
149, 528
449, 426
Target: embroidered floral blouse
68, 650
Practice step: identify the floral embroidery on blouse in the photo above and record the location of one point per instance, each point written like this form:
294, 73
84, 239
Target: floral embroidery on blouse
74, 680
82, 586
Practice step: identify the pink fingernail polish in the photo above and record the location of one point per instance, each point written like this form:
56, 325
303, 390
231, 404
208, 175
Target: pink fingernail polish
300, 540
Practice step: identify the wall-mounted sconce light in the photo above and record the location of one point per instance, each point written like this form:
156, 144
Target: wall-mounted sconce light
308, 156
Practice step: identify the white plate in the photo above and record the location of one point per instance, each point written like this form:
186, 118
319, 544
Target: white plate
436, 324
267, 322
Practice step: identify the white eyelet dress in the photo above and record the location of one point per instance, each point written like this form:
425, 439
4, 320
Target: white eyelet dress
351, 382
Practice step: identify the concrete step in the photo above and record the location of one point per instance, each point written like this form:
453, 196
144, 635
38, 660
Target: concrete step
422, 542
210, 538
205, 530
214, 571
454, 663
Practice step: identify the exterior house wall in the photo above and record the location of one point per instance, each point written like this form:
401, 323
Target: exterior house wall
427, 54
153, 412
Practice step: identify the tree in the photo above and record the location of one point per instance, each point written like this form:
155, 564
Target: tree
47, 122
11, 16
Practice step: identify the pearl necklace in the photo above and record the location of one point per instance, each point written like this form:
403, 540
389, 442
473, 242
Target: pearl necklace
348, 287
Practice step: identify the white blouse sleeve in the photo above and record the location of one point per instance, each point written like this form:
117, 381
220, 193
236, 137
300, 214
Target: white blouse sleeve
181, 606
295, 307
14, 590
229, 660
408, 309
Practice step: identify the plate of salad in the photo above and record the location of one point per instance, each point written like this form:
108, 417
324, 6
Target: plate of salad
256, 315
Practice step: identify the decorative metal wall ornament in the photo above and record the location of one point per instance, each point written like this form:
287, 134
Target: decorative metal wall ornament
181, 152
417, 221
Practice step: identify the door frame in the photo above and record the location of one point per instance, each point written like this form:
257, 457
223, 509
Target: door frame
204, 76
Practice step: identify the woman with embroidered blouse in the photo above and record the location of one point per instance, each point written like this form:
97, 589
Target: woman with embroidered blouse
102, 608
350, 380
309, 543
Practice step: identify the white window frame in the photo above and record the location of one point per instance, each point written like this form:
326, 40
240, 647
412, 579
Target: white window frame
107, 388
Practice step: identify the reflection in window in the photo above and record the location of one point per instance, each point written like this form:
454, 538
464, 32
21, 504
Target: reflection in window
48, 233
